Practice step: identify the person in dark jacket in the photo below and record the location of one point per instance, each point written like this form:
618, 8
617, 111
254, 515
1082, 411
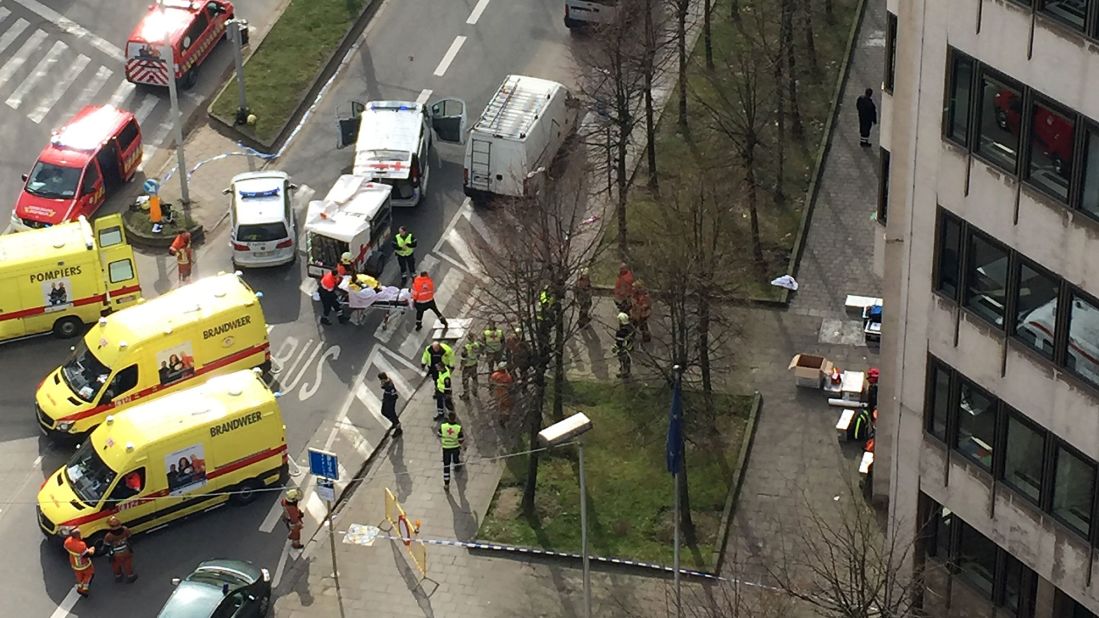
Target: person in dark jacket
868, 116
389, 404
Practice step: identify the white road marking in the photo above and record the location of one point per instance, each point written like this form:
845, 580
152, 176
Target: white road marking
37, 460
315, 507
46, 102
277, 576
453, 262
64, 610
19, 57
461, 247
467, 206
148, 103
13, 33
477, 10
358, 441
43, 68
89, 90
69, 26
274, 516
402, 360
307, 364
425, 94
4, 13
123, 92
444, 64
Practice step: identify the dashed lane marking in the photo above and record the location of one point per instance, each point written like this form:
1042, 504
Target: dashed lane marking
70, 26
444, 64
64, 610
25, 51
43, 68
476, 14
59, 87
425, 94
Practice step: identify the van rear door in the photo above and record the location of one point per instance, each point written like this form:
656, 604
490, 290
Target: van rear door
116, 258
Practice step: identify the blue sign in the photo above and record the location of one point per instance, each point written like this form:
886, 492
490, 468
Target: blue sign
151, 186
324, 464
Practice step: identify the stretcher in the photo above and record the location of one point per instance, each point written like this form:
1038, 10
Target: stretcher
371, 296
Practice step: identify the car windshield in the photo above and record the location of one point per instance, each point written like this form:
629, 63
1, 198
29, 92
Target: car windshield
89, 477
53, 181
84, 373
261, 232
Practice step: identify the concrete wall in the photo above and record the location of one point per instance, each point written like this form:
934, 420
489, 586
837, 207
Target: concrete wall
926, 172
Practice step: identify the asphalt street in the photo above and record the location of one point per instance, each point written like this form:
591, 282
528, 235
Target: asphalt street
407, 53
85, 40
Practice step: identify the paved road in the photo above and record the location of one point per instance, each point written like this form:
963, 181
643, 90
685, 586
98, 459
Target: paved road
316, 366
57, 56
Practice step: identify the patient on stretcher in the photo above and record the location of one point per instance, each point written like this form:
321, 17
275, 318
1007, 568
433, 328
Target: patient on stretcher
366, 291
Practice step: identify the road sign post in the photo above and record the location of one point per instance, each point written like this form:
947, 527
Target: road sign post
325, 467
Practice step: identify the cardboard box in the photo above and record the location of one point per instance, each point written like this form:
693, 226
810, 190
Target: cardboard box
810, 371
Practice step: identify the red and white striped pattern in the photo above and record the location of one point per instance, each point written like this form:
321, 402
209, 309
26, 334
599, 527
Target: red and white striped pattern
147, 71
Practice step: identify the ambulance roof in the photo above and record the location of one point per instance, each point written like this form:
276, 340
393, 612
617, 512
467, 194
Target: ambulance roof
170, 23
36, 246
194, 303
78, 140
389, 134
180, 412
348, 209
516, 106
258, 197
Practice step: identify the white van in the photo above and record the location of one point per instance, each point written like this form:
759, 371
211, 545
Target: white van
393, 141
517, 137
261, 217
581, 13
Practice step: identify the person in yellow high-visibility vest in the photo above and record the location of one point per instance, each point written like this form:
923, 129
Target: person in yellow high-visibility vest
444, 391
452, 439
404, 247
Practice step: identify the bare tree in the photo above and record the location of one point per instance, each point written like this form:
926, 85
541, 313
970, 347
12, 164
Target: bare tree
786, 40
682, 8
734, 10
707, 33
649, 69
533, 264
829, 14
806, 10
842, 565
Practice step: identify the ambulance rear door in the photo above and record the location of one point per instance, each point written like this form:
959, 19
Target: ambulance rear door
116, 258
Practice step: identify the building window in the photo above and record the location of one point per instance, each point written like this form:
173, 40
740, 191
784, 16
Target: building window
1073, 490
1051, 141
1023, 456
1000, 120
976, 424
1071, 12
961, 89
883, 187
986, 279
890, 51
1089, 199
976, 558
1082, 355
1036, 309
938, 400
950, 255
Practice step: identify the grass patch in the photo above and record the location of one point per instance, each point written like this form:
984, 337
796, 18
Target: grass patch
287, 62
630, 493
682, 156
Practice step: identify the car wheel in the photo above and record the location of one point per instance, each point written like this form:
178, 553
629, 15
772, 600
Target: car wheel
67, 327
190, 78
245, 493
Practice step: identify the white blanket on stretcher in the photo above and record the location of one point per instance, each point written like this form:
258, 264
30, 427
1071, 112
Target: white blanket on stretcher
365, 297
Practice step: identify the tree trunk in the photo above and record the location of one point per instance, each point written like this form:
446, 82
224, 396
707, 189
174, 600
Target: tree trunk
681, 43
787, 42
704, 351
623, 111
686, 522
810, 45
753, 207
829, 16
707, 35
559, 359
780, 142
650, 122
534, 425
734, 10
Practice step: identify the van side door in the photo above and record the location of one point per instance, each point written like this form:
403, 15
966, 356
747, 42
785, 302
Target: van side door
348, 125
116, 258
131, 499
129, 149
448, 119
92, 190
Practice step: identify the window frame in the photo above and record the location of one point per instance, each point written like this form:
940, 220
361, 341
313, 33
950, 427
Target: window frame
933, 365
970, 234
983, 71
996, 409
890, 52
1069, 294
944, 216
1039, 8
1011, 414
1031, 105
1059, 444
953, 56
883, 185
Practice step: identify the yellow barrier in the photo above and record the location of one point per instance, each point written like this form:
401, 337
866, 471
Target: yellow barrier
407, 530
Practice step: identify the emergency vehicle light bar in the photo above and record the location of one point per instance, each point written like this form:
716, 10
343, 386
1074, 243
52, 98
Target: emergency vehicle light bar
399, 108
247, 195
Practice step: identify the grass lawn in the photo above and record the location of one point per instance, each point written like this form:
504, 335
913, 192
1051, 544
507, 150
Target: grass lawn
286, 63
681, 156
630, 493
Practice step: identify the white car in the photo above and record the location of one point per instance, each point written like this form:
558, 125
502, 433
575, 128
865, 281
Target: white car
262, 218
580, 13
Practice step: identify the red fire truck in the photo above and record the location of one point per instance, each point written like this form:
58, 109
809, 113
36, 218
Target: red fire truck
191, 27
97, 151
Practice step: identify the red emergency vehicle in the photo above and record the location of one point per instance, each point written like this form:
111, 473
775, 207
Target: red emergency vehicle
191, 27
98, 150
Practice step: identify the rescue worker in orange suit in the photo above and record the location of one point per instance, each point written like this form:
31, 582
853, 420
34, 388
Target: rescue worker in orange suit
502, 383
423, 299
330, 299
80, 559
292, 516
623, 287
641, 307
117, 542
184, 254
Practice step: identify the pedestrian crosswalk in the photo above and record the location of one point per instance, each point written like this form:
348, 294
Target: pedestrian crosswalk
48, 72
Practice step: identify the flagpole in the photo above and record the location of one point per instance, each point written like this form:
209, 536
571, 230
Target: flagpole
675, 477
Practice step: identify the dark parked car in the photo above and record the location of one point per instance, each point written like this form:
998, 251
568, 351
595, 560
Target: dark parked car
221, 589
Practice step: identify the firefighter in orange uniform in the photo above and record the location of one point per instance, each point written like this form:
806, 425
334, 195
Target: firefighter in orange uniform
293, 517
80, 559
423, 299
117, 542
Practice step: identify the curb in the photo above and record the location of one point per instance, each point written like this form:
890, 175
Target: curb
738, 482
305, 101
825, 145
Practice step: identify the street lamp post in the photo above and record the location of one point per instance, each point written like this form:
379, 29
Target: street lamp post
238, 32
169, 57
555, 435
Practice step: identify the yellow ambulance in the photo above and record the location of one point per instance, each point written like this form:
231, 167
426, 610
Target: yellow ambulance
214, 325
223, 440
62, 277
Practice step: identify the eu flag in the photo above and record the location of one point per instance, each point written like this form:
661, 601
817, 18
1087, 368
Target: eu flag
675, 430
